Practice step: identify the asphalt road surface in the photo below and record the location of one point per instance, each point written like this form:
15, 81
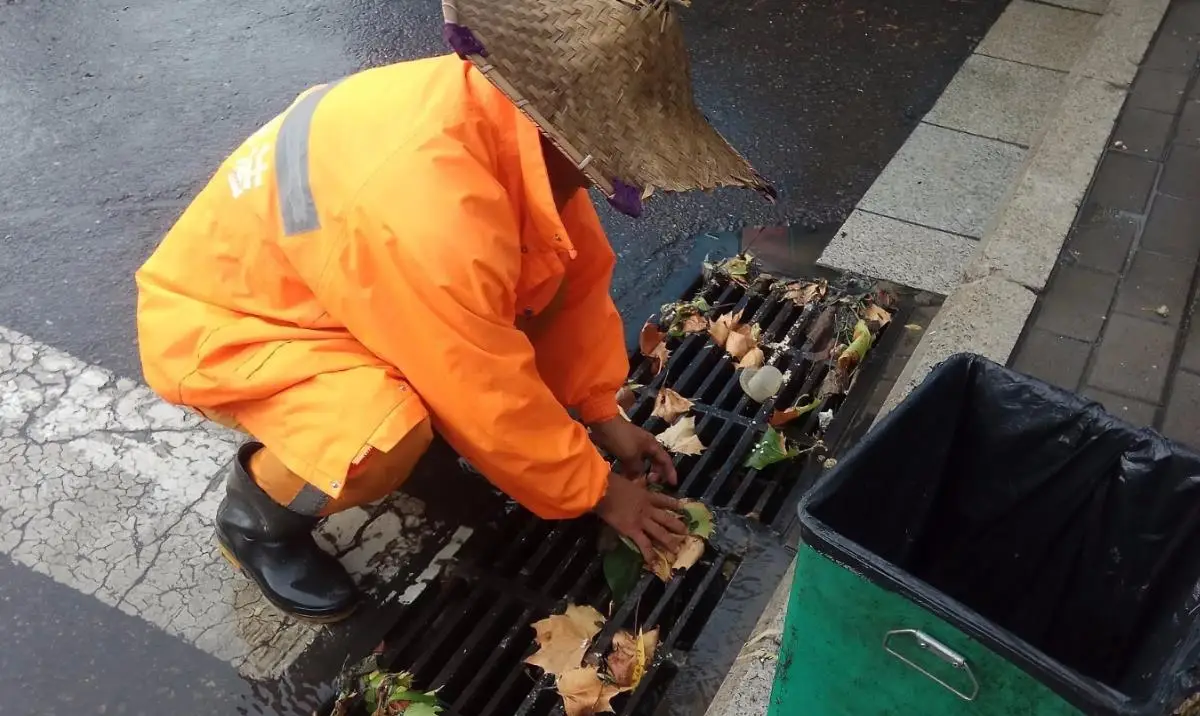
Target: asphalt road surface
113, 113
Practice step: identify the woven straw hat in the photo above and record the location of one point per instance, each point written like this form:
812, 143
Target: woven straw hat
608, 82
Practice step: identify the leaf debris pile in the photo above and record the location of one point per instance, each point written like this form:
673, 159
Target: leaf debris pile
563, 641
364, 688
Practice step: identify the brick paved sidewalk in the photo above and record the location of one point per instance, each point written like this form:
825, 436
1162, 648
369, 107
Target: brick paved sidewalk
1119, 321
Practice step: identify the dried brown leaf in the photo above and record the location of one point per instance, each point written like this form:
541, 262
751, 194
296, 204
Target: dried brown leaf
695, 323
690, 553
649, 339
564, 638
630, 656
669, 405
582, 690
661, 566
783, 417
681, 437
803, 294
604, 704
660, 355
875, 314
738, 344
754, 358
723, 326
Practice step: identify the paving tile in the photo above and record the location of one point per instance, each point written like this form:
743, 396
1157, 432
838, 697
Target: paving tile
1189, 125
1143, 132
1173, 51
1172, 228
1039, 35
1182, 419
1101, 239
1153, 281
1130, 410
1053, 358
945, 179
1181, 177
1123, 182
1076, 303
998, 99
887, 248
1158, 90
1133, 357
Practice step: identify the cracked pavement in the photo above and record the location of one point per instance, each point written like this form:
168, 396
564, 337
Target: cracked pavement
112, 492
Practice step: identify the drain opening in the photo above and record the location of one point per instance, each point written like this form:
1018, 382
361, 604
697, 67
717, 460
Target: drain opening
468, 633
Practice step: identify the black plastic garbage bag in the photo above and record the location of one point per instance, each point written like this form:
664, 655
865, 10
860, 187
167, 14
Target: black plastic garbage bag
1041, 516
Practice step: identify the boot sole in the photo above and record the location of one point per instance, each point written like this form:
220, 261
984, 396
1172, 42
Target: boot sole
328, 619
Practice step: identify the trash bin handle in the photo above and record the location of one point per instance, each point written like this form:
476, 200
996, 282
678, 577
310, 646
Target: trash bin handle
938, 649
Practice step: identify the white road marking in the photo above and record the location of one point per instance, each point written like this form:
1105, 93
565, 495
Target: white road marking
110, 491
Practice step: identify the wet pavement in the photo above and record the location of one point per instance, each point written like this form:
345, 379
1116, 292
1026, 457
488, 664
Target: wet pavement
116, 113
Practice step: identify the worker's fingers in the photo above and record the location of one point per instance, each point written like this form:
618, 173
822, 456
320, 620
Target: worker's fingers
665, 538
643, 543
670, 521
666, 502
661, 463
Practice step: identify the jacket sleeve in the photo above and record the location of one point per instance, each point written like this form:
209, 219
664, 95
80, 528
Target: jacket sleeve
424, 276
581, 352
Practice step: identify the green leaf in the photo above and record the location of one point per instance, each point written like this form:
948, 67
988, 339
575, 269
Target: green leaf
771, 449
701, 305
699, 518
631, 545
415, 697
423, 709
622, 569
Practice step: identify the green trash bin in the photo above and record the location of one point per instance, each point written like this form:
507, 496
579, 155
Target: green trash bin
996, 546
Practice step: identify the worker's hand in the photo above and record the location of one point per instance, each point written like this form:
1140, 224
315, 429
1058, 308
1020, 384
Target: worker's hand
646, 517
634, 448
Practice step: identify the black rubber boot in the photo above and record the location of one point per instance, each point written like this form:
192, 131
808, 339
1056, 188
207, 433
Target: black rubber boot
274, 547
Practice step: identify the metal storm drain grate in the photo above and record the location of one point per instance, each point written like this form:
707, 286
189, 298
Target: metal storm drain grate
469, 631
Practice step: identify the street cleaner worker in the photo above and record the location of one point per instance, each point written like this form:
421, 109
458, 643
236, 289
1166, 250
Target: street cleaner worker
412, 250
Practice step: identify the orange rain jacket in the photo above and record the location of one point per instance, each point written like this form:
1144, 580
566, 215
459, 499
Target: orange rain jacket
393, 233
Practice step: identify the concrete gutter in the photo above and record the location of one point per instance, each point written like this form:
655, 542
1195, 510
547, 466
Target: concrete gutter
989, 251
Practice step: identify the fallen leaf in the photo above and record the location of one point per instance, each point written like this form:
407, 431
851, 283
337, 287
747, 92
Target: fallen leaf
803, 294
690, 553
581, 690
874, 314
564, 638
660, 355
772, 448
647, 192
695, 323
739, 343
754, 358
723, 326
622, 569
630, 656
699, 518
783, 417
669, 405
660, 567
681, 437
604, 704
849, 359
650, 338
820, 336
